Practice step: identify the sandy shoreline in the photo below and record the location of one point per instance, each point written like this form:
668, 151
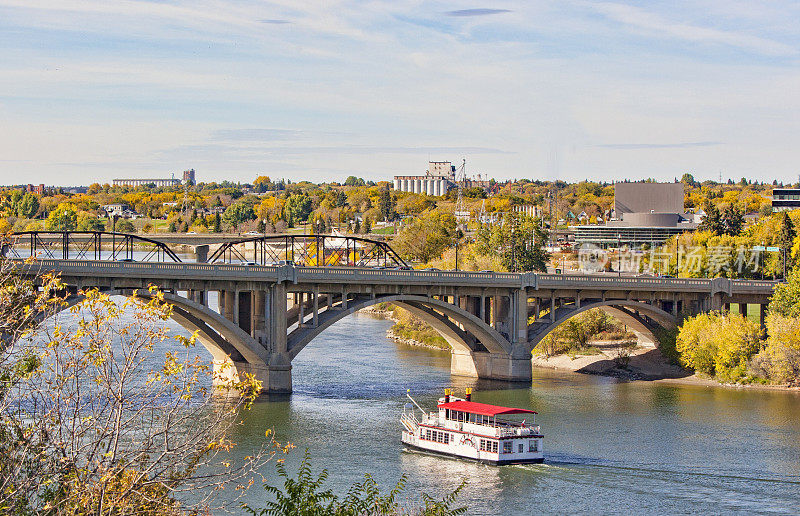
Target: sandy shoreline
646, 364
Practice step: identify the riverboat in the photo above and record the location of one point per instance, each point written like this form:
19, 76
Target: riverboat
469, 430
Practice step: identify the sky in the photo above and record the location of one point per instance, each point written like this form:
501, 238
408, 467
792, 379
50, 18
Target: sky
92, 90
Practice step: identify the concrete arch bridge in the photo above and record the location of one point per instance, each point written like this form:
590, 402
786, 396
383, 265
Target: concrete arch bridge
265, 315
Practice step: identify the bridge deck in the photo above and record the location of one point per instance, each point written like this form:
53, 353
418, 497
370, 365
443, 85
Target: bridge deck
354, 275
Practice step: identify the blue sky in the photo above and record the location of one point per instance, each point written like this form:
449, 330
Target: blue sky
96, 89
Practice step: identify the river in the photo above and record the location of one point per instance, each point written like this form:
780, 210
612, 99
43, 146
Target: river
610, 446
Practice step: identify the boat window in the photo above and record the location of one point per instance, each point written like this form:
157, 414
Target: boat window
533, 445
428, 435
488, 446
507, 447
460, 416
521, 447
447, 413
446, 438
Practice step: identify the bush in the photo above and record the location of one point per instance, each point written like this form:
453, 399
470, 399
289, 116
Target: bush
779, 361
718, 344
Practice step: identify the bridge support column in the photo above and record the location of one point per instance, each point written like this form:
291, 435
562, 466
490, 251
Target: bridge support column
762, 316
743, 309
279, 369
257, 316
493, 366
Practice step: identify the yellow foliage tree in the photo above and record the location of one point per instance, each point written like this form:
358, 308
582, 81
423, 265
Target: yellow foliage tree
718, 344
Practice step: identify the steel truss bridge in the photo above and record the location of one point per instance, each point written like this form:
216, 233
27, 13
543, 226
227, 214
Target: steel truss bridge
302, 250
309, 251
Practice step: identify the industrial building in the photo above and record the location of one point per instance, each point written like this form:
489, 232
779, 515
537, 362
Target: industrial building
644, 213
438, 179
188, 179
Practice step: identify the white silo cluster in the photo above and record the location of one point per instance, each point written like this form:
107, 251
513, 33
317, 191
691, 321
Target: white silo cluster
439, 178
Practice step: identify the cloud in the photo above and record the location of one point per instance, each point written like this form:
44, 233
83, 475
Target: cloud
653, 24
476, 12
248, 153
257, 135
634, 146
274, 22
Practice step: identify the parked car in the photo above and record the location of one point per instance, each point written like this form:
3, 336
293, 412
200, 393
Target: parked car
290, 263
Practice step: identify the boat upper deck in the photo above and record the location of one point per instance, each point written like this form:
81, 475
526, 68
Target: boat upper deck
481, 418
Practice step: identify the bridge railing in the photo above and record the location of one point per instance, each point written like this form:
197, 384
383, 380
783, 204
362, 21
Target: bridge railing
159, 270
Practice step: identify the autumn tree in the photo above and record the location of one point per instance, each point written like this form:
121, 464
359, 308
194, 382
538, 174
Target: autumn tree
99, 416
63, 218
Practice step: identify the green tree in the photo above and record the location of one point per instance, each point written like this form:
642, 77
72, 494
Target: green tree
519, 241
386, 204
340, 199
712, 220
63, 218
732, 220
297, 208
28, 206
787, 231
426, 237
238, 213
217, 223
88, 222
354, 181
125, 226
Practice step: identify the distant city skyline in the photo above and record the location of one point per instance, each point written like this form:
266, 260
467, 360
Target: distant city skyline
91, 90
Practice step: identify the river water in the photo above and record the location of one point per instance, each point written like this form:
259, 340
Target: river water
610, 446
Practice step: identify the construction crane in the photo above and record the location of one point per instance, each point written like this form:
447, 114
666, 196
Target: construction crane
461, 180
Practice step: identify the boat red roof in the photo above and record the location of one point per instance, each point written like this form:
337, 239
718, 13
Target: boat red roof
482, 408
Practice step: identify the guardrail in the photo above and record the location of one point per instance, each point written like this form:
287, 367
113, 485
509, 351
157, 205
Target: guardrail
393, 276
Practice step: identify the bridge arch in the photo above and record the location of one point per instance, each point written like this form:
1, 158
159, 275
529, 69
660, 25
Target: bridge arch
624, 310
233, 351
442, 316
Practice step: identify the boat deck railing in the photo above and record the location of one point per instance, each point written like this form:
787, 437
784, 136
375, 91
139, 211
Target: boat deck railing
501, 428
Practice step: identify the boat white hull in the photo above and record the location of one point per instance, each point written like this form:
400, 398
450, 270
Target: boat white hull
467, 446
